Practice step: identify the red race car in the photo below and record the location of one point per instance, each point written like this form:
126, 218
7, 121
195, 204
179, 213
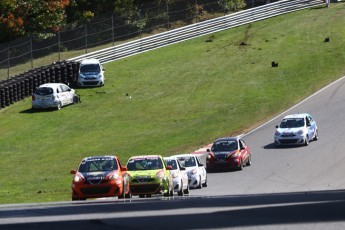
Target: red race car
100, 176
228, 153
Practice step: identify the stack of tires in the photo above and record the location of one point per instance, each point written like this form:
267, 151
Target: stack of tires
23, 85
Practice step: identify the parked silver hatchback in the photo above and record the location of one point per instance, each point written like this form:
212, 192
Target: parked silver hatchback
53, 95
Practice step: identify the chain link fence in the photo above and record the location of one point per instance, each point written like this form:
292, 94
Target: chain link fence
28, 53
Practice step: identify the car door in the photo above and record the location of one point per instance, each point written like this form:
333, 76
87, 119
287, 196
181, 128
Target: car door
310, 123
68, 94
243, 149
61, 95
201, 169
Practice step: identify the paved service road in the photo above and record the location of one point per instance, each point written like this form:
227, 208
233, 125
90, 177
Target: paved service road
285, 188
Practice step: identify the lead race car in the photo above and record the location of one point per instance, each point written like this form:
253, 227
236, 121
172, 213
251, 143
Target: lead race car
296, 129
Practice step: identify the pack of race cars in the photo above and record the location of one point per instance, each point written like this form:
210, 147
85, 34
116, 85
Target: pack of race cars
148, 175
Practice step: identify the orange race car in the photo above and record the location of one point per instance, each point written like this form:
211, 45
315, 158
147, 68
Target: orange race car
100, 176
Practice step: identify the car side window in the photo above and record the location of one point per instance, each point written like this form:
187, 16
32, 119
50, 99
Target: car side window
242, 144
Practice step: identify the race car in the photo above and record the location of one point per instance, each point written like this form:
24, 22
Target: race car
296, 129
100, 176
179, 175
197, 175
149, 175
228, 153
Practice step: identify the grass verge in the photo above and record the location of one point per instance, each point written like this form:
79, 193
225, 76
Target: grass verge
180, 98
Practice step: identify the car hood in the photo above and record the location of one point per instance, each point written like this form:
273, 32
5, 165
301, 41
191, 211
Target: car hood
289, 130
95, 175
144, 173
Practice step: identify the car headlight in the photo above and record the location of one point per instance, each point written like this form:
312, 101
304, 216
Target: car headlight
236, 154
78, 178
194, 171
114, 176
160, 174
300, 132
81, 76
277, 133
175, 174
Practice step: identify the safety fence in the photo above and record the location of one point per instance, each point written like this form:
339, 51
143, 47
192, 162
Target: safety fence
21, 86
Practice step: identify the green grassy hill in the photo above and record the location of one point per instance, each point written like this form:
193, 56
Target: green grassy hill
180, 98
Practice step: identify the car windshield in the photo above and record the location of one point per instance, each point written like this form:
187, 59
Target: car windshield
292, 123
144, 164
187, 161
98, 164
226, 145
44, 91
88, 68
172, 163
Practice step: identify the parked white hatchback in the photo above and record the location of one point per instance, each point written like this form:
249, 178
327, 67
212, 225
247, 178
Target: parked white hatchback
91, 73
196, 171
53, 95
179, 175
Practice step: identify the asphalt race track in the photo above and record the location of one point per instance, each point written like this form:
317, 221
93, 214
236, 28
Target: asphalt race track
285, 188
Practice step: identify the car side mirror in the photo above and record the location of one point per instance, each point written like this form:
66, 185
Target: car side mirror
73, 171
208, 150
277, 126
201, 164
182, 168
124, 168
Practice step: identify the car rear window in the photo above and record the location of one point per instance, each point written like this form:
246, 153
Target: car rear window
44, 91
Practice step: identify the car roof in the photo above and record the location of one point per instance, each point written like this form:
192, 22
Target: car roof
90, 61
184, 155
94, 157
297, 115
51, 85
227, 139
145, 156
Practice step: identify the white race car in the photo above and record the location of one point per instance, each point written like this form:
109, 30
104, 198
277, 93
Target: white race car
179, 175
296, 129
197, 175
53, 95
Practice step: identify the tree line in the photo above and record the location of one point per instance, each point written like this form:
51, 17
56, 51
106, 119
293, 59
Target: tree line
41, 18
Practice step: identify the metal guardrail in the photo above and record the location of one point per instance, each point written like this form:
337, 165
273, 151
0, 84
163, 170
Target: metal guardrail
21, 86
199, 29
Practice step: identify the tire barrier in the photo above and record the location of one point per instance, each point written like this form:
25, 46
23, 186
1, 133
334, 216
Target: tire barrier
21, 86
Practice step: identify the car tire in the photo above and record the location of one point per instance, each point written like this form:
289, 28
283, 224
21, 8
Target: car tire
181, 192
199, 185
76, 99
249, 162
186, 191
123, 192
316, 136
59, 106
240, 167
306, 141
205, 183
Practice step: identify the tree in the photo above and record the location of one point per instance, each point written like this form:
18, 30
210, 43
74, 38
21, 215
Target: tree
31, 17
